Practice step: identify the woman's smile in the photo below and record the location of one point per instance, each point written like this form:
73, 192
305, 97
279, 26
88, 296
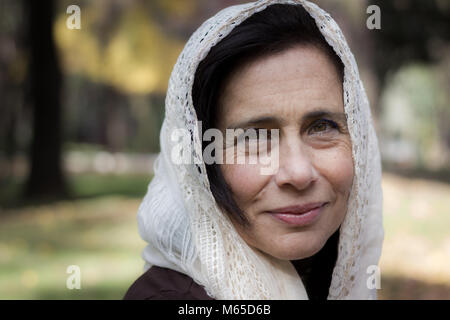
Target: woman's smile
299, 215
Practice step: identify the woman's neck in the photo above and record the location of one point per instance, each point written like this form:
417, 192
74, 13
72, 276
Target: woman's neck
316, 271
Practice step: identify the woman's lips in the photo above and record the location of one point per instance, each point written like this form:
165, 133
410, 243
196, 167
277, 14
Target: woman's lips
299, 215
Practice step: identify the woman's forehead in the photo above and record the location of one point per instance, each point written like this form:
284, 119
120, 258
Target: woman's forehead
295, 81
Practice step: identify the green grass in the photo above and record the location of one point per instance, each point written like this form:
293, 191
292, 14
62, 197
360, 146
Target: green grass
418, 208
95, 186
80, 186
97, 231
98, 235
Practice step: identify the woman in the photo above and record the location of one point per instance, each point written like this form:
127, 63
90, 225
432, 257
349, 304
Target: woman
311, 227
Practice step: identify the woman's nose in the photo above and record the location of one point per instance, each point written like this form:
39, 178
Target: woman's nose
296, 168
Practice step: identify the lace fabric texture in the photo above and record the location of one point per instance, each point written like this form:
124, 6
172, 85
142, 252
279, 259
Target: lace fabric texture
186, 230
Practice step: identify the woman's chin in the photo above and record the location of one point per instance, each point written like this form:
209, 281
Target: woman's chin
297, 255
305, 249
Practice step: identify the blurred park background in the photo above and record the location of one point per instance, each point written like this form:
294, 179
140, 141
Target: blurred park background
80, 113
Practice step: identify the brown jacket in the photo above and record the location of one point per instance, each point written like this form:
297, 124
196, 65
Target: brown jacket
165, 284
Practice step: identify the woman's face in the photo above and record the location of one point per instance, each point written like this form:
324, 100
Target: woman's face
294, 211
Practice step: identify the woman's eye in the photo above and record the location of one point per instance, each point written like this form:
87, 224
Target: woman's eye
322, 126
255, 140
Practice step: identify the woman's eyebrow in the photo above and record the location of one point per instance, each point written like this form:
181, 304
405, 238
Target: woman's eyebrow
255, 121
339, 116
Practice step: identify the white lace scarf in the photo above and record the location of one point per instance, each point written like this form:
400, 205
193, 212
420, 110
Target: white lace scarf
187, 232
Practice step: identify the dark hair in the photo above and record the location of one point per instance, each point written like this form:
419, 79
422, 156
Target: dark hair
277, 28
269, 31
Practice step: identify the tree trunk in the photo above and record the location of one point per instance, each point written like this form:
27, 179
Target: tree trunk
46, 177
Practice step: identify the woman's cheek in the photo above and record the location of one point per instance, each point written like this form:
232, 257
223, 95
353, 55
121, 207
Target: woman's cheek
244, 180
336, 165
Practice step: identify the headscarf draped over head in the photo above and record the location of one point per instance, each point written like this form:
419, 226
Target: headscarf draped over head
186, 230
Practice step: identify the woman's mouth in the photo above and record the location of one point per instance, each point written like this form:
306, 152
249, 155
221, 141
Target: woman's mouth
299, 215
